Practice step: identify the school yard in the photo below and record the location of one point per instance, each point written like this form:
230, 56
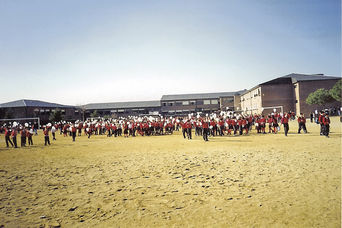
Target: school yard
245, 181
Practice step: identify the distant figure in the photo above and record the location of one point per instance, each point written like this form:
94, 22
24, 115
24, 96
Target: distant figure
7, 136
14, 137
53, 131
73, 132
46, 136
301, 123
285, 122
29, 135
23, 137
326, 124
205, 127
311, 117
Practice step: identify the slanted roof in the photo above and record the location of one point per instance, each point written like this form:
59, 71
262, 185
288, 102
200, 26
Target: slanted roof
122, 105
32, 103
294, 77
195, 96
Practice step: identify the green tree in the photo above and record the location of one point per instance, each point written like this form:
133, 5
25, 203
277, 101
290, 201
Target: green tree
56, 115
336, 91
94, 114
319, 97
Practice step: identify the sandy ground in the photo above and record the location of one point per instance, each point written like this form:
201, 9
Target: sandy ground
167, 181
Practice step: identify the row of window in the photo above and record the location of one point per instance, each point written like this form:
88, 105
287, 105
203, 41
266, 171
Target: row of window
198, 102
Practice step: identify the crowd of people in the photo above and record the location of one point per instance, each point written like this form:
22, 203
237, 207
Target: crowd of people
208, 125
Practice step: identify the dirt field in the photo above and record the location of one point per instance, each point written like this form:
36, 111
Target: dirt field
246, 181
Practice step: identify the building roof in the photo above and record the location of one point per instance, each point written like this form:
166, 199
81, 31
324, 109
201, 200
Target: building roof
122, 105
32, 103
195, 96
294, 78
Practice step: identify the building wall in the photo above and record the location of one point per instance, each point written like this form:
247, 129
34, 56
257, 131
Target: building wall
237, 102
184, 107
251, 101
227, 102
278, 95
307, 87
124, 112
42, 113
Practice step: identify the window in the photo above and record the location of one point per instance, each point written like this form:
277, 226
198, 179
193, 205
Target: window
214, 101
192, 102
200, 102
164, 103
185, 103
178, 103
206, 102
170, 104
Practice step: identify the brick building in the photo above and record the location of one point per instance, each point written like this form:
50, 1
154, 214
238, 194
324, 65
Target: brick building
183, 104
287, 93
37, 109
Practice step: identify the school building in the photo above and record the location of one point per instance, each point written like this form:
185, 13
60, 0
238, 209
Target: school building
184, 104
37, 109
115, 109
287, 93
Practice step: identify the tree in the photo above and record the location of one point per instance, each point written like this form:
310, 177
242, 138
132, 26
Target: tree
56, 115
336, 91
319, 97
94, 114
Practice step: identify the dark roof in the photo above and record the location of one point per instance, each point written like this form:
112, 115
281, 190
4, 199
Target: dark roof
294, 77
195, 96
32, 103
118, 105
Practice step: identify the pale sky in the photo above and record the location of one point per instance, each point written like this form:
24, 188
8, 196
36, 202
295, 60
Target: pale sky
78, 52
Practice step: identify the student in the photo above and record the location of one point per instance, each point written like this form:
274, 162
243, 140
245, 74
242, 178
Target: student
188, 126
326, 125
46, 135
301, 123
205, 127
285, 122
73, 132
29, 135
7, 136
23, 137
53, 131
14, 137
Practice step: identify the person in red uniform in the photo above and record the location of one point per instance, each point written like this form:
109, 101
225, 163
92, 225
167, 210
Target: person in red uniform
183, 126
29, 137
320, 120
14, 137
46, 135
188, 127
205, 127
326, 125
285, 122
262, 122
80, 126
301, 123
275, 124
73, 132
221, 125
23, 137
7, 136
